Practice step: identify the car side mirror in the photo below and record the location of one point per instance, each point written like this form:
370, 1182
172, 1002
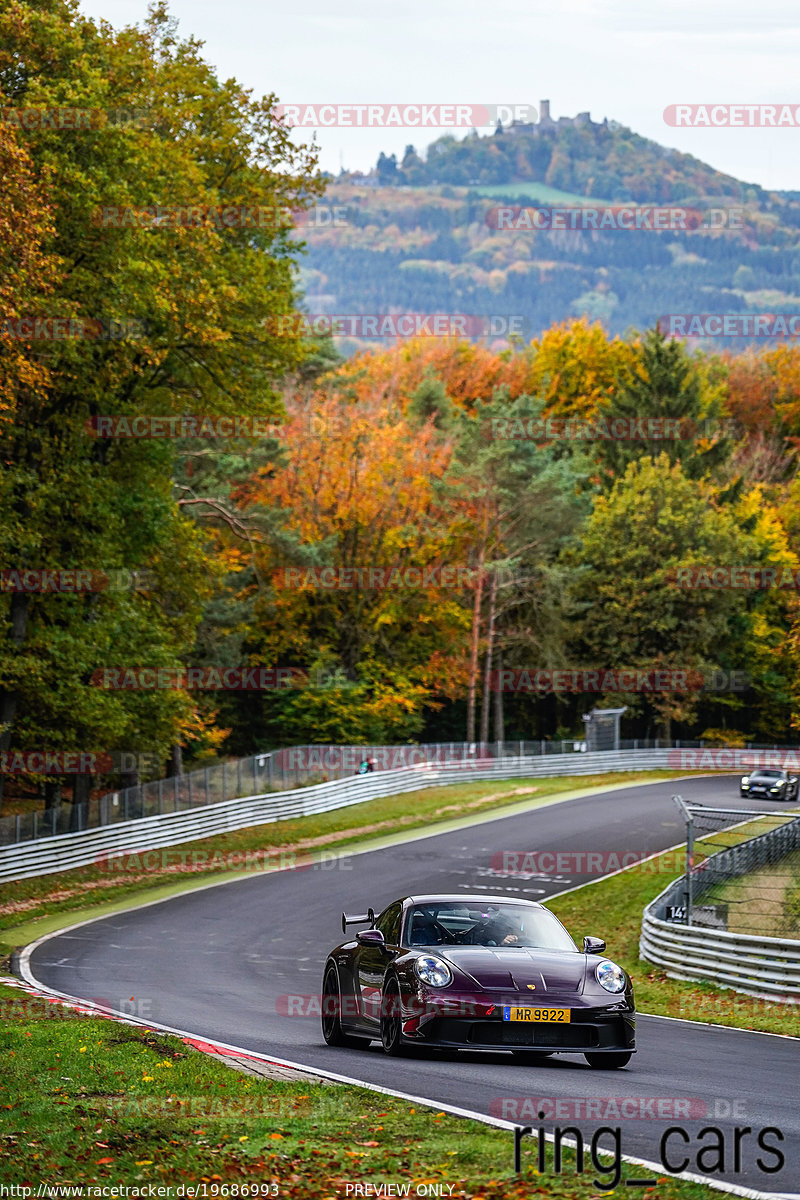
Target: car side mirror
593, 945
370, 937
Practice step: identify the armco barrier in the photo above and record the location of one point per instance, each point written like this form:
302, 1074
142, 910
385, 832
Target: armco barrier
278, 770
63, 851
760, 966
290, 767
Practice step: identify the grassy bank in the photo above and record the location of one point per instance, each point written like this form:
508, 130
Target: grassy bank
88, 1102
765, 902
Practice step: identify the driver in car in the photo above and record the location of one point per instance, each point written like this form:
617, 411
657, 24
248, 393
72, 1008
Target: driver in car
501, 931
495, 930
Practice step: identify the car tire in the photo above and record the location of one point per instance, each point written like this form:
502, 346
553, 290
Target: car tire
391, 1020
531, 1057
609, 1062
332, 1030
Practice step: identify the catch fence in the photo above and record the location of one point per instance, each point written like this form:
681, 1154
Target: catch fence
733, 918
278, 770
81, 848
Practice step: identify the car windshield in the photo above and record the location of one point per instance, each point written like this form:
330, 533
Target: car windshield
459, 923
768, 774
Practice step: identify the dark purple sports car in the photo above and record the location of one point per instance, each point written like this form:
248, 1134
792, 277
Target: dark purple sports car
476, 973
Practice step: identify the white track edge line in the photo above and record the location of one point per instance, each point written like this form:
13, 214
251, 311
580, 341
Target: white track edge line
732, 1189
454, 1110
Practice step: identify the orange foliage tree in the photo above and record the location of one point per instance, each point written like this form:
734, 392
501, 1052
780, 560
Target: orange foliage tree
358, 492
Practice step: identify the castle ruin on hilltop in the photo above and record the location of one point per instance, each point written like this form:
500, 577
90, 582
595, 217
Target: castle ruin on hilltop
546, 124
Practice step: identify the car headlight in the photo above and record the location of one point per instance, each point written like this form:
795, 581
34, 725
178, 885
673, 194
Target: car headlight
746, 781
610, 976
433, 971
776, 788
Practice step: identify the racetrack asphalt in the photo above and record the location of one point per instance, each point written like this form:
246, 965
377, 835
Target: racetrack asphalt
219, 963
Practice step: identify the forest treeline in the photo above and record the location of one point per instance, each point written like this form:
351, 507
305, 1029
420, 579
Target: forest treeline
524, 539
449, 249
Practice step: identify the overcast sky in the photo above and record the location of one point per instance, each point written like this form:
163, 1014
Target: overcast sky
620, 59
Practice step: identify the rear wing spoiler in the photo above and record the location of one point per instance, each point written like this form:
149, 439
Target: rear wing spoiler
356, 920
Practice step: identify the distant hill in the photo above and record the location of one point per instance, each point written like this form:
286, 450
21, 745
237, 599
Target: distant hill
421, 235
574, 154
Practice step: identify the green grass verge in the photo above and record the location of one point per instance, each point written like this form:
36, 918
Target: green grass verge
95, 1103
30, 908
538, 191
612, 908
765, 902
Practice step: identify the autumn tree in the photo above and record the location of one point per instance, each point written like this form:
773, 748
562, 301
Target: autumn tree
517, 505
356, 491
667, 384
202, 291
633, 611
577, 370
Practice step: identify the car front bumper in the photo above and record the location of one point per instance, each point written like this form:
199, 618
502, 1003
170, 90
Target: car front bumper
589, 1029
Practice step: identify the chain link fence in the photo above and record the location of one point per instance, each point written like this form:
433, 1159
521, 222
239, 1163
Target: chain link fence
731, 919
280, 770
752, 887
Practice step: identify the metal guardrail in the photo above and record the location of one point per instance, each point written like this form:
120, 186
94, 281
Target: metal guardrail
765, 967
67, 850
761, 966
285, 769
272, 770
